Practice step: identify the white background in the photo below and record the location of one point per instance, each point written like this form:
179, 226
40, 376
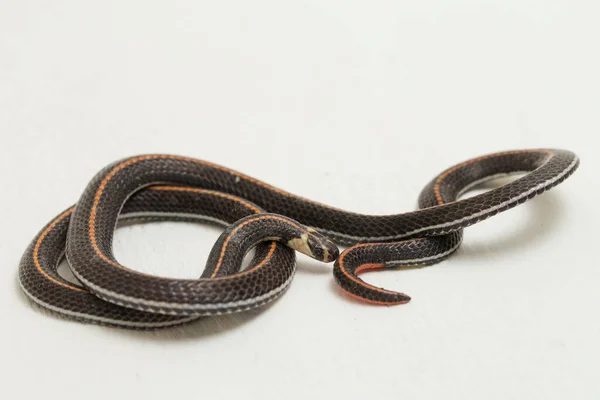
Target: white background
356, 104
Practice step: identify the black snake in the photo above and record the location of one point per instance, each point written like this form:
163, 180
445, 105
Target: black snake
258, 216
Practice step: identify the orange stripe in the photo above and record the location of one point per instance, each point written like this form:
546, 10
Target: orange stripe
352, 278
360, 281
436, 187
36, 250
257, 266
70, 211
210, 192
115, 170
375, 302
367, 267
222, 255
226, 196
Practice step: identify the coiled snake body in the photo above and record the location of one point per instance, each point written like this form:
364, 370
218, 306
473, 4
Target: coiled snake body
258, 216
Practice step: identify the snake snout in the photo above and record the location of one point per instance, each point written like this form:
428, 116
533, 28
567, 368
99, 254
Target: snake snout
315, 245
323, 249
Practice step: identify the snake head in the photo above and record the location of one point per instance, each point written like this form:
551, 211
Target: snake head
315, 245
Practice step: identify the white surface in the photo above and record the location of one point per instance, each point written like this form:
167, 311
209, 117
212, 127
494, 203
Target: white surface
353, 104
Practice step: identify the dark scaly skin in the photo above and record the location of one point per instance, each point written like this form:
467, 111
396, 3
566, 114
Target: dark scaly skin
92, 225
374, 256
40, 280
441, 194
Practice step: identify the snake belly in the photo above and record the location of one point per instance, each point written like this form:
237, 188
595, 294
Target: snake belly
259, 216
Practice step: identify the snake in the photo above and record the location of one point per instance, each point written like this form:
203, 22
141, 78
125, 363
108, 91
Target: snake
258, 217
